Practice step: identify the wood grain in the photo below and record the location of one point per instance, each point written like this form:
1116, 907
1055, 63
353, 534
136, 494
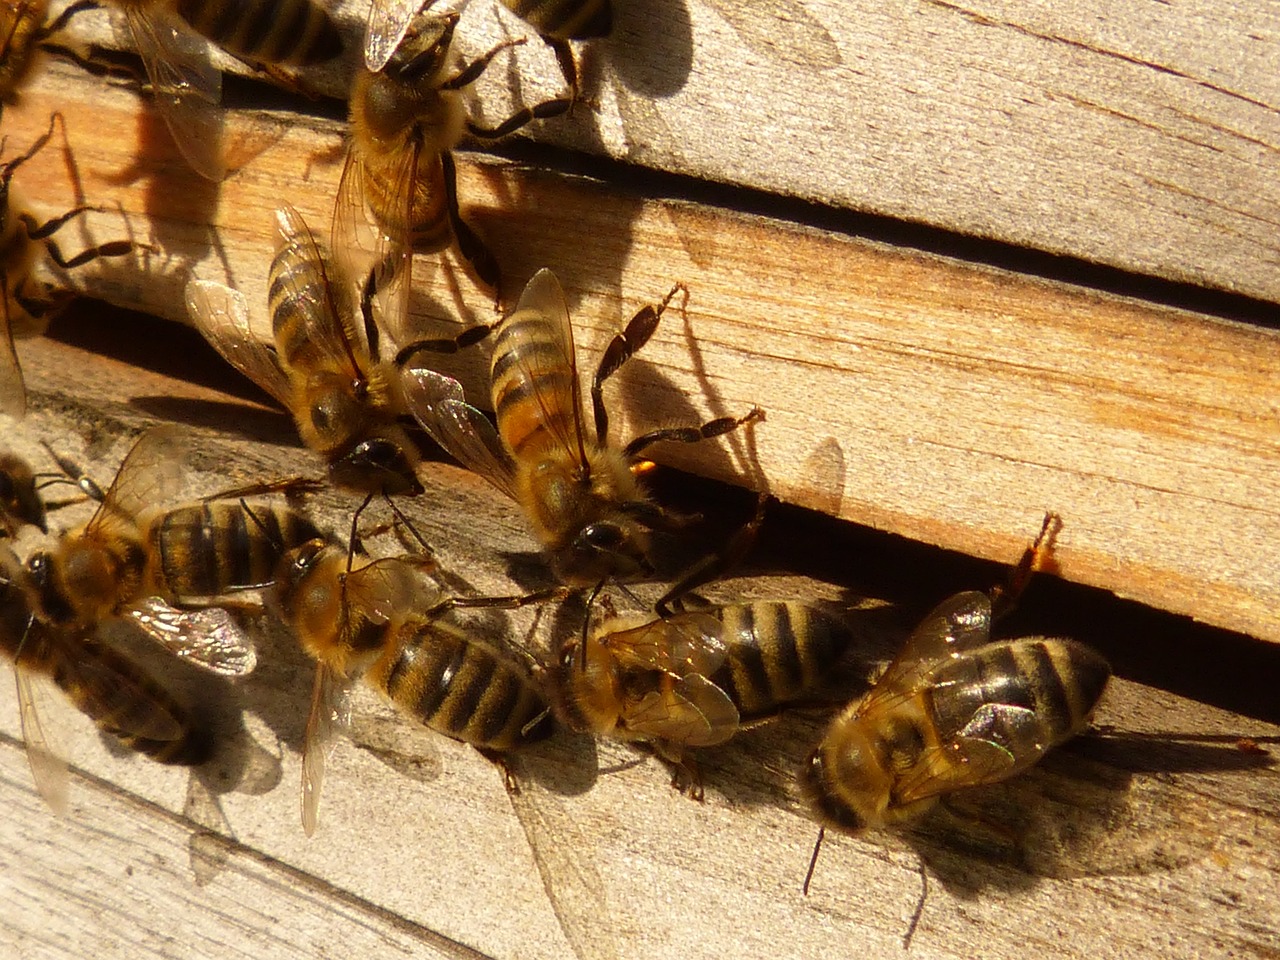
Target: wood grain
1154, 834
947, 402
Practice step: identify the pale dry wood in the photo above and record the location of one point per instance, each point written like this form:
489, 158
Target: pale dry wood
950, 403
1144, 137
1158, 837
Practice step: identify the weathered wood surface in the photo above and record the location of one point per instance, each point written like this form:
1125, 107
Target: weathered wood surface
1142, 137
947, 402
1157, 835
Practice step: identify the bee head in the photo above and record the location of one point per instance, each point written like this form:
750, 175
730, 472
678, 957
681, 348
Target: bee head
378, 465
611, 549
423, 52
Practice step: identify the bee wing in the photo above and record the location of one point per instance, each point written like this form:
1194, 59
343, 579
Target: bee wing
540, 369
151, 474
117, 695
694, 712
382, 589
960, 622
979, 754
328, 317
187, 87
362, 244
209, 636
388, 23
436, 401
222, 317
48, 769
330, 711
13, 394
687, 643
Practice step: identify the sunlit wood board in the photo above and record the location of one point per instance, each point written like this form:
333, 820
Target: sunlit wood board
1156, 833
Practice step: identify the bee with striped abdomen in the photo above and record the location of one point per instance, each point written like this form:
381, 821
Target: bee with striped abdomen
370, 622
955, 709
20, 503
693, 679
580, 492
105, 685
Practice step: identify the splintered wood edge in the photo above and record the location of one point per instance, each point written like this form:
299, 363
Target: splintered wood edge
946, 402
1163, 811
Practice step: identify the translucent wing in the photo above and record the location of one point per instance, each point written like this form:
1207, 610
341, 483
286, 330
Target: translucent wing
48, 769
436, 401
209, 636
388, 23
691, 711
959, 623
117, 694
687, 643
13, 393
382, 590
150, 475
361, 243
325, 306
981, 753
186, 85
539, 336
222, 317
330, 711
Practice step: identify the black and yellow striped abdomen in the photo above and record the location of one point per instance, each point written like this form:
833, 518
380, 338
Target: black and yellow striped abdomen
210, 549
565, 19
532, 385
307, 306
462, 688
288, 32
777, 653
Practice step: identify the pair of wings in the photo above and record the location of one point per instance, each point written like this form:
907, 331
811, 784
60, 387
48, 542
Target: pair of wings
221, 314
980, 752
151, 474
383, 590
685, 650
438, 404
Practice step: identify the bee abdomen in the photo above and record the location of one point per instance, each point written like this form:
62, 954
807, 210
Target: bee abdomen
778, 652
565, 19
520, 401
463, 689
289, 32
298, 289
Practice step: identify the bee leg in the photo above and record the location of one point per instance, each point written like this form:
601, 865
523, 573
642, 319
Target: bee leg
622, 348
467, 338
714, 565
294, 488
500, 761
710, 429
1005, 596
59, 23
472, 248
502, 603
686, 775
470, 73
44, 232
556, 107
568, 64
8, 170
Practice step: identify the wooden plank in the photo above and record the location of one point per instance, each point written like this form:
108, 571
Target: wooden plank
947, 402
1143, 138
1156, 835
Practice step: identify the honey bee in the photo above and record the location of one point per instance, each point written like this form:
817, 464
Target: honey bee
954, 710
398, 193
27, 305
20, 504
693, 679
187, 87
134, 559
368, 622
343, 401
22, 31
581, 494
108, 687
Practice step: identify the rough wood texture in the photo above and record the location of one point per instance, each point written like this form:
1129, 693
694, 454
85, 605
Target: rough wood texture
1141, 137
950, 403
1156, 835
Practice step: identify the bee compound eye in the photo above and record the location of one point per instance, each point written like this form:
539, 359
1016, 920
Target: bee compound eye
603, 536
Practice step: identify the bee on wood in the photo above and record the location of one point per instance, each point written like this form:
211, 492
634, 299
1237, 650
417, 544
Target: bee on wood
135, 558
693, 679
369, 622
580, 493
23, 29
955, 709
27, 304
187, 87
108, 687
321, 368
20, 503
398, 195
556, 21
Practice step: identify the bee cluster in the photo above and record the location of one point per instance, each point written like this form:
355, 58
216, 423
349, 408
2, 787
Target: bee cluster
955, 709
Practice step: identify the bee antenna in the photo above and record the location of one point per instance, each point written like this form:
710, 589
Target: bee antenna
813, 861
919, 911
